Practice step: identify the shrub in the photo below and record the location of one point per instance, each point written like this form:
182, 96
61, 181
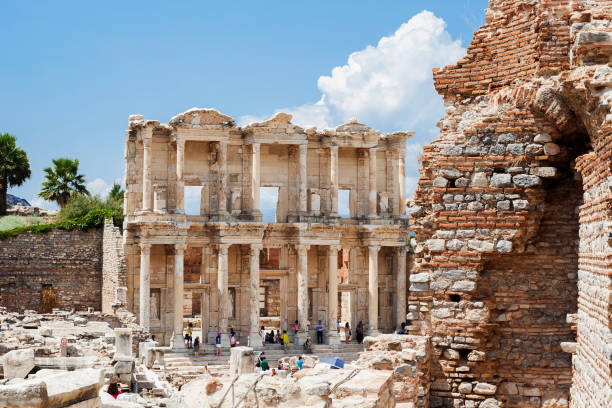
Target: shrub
79, 205
92, 219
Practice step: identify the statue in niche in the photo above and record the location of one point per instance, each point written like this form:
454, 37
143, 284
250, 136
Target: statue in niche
154, 305
230, 303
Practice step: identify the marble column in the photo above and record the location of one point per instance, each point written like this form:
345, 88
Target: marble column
254, 338
180, 182
373, 289
145, 286
303, 205
332, 291
147, 186
255, 179
402, 181
222, 281
179, 251
400, 285
222, 181
302, 290
372, 193
333, 179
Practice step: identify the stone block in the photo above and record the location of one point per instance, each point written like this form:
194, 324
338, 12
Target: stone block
485, 389
31, 393
526, 180
503, 246
542, 138
545, 172
18, 363
242, 360
123, 344
501, 180
420, 277
436, 245
465, 388
440, 182
551, 149
480, 179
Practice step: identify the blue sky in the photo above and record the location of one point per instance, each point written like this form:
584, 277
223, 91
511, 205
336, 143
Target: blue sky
72, 72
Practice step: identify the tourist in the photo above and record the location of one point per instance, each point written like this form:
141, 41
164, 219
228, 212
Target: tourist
196, 346
218, 343
262, 334
338, 325
285, 340
264, 364
399, 329
188, 335
297, 326
153, 339
360, 332
307, 346
277, 337
273, 372
231, 329
233, 341
319, 332
347, 332
299, 362
281, 366
113, 389
308, 326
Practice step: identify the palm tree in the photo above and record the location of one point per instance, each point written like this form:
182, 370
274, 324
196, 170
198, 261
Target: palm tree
14, 167
62, 181
116, 192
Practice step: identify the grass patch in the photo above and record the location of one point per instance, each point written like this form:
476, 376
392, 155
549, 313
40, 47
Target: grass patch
10, 222
92, 219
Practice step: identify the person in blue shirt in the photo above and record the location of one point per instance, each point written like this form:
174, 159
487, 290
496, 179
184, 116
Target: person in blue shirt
299, 362
319, 333
218, 343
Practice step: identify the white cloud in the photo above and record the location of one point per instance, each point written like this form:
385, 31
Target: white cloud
100, 187
388, 86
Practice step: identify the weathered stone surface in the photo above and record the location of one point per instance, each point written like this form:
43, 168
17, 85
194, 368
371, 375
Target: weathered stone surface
501, 180
242, 360
18, 363
485, 389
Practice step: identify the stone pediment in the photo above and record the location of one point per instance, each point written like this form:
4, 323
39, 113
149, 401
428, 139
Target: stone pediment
196, 117
279, 123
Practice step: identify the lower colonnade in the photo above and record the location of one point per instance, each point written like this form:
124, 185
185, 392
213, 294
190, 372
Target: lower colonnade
218, 309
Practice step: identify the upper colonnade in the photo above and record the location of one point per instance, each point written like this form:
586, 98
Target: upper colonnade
202, 147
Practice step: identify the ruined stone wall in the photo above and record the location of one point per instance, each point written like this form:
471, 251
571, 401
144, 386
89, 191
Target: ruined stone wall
511, 212
114, 271
69, 261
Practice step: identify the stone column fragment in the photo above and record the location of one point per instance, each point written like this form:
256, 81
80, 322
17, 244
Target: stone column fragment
178, 295
255, 179
372, 193
303, 207
222, 181
302, 289
145, 285
332, 291
147, 185
180, 182
222, 281
255, 340
373, 289
400, 284
333, 179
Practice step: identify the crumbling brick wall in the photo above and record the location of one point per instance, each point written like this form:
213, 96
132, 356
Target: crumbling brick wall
512, 209
114, 272
69, 261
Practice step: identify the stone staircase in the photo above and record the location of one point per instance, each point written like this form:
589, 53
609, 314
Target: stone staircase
187, 366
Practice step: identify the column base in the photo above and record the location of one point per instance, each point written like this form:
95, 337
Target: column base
178, 343
373, 332
333, 338
254, 340
301, 337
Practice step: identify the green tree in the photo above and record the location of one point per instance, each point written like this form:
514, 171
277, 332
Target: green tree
116, 193
14, 167
79, 205
62, 181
